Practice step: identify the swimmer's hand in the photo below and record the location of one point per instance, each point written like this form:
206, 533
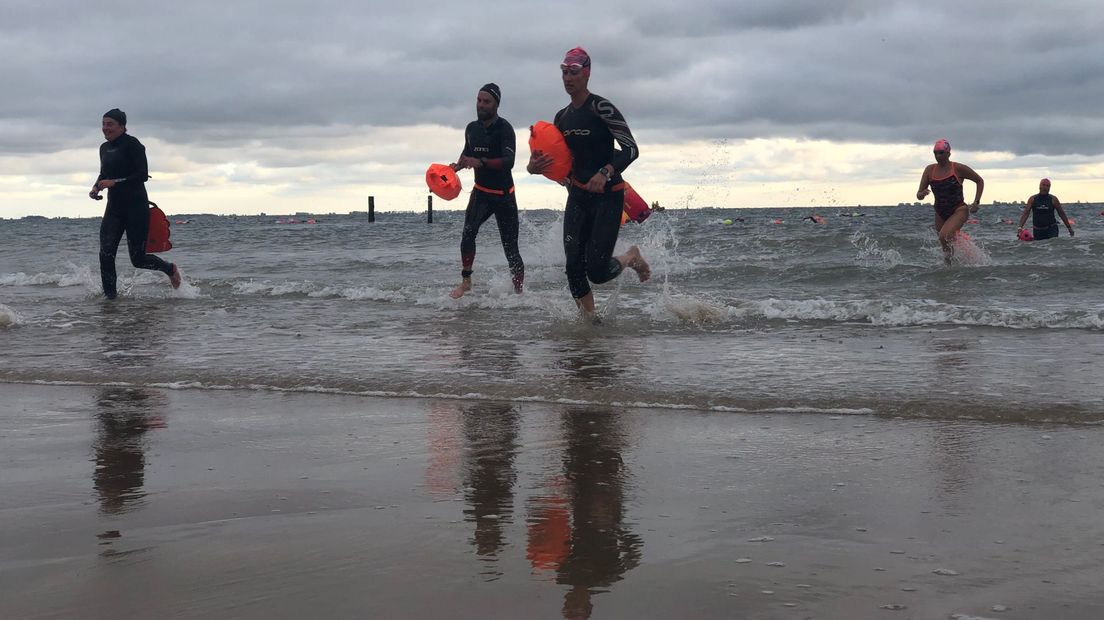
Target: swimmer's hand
920, 195
538, 162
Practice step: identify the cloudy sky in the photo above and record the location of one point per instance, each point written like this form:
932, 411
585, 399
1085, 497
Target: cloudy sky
278, 106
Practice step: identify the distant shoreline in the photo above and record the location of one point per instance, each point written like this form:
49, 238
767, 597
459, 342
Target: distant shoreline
825, 208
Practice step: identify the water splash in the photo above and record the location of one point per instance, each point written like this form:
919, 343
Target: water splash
686, 308
969, 252
869, 254
187, 290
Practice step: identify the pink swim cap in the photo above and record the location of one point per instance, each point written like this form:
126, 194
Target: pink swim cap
1044, 180
577, 56
942, 145
1025, 235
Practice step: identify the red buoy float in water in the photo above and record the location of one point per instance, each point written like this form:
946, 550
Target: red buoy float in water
546, 138
442, 181
158, 238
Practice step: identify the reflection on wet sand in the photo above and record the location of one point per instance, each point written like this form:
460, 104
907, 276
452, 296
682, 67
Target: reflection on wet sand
953, 450
578, 529
588, 364
491, 357
491, 442
123, 416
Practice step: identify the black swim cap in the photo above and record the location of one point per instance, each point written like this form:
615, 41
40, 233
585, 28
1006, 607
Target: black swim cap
117, 115
493, 89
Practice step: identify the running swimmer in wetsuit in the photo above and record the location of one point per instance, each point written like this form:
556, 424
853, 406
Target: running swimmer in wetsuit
489, 145
944, 177
1042, 206
591, 125
123, 173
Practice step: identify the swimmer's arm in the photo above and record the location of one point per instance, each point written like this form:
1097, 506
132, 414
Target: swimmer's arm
1027, 209
615, 122
1062, 214
925, 181
967, 172
102, 176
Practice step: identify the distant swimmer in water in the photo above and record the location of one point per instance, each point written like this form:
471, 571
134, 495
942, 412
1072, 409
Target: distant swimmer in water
1042, 206
489, 146
591, 125
816, 219
944, 177
123, 173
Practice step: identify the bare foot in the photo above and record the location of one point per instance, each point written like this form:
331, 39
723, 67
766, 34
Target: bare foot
174, 277
458, 292
633, 260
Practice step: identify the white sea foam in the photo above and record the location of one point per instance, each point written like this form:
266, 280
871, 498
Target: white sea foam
22, 279
264, 287
686, 308
914, 313
358, 293
76, 275
465, 396
9, 317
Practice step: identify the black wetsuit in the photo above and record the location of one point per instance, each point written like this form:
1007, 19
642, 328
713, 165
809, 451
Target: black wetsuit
592, 221
1043, 223
493, 193
124, 161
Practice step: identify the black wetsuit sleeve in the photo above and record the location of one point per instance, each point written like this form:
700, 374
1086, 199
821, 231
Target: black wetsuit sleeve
102, 175
467, 152
613, 119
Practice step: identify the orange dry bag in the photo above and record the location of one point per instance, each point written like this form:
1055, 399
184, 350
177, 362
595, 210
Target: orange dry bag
635, 208
442, 180
158, 238
547, 139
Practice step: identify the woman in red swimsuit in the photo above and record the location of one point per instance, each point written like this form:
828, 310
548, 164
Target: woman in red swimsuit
944, 177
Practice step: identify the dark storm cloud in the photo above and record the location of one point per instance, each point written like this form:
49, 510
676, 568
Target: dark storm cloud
987, 75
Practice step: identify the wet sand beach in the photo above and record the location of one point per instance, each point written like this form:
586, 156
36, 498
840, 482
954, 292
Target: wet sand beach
125, 502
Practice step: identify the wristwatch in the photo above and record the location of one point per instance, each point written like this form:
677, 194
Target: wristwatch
607, 173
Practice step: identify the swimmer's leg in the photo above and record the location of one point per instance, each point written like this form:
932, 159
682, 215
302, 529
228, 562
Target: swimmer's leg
948, 229
478, 211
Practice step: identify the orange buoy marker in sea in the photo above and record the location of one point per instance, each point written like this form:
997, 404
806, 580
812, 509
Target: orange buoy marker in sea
442, 181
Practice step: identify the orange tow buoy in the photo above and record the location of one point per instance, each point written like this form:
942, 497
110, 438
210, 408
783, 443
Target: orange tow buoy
546, 138
157, 240
635, 208
442, 181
